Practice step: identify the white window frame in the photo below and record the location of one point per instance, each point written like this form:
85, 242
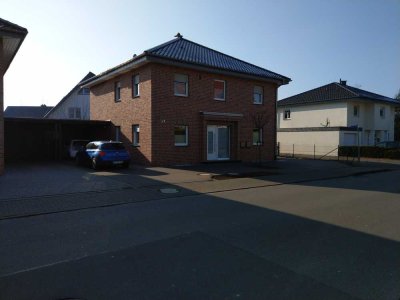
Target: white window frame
73, 113
285, 117
185, 82
135, 86
187, 136
260, 135
262, 94
136, 135
219, 99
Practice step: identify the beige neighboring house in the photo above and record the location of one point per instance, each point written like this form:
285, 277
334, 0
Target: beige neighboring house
11, 38
75, 105
330, 115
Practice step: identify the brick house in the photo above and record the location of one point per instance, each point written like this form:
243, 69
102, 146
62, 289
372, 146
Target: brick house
183, 103
11, 38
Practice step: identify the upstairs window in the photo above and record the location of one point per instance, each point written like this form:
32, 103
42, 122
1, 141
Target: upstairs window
117, 91
135, 86
382, 112
356, 110
135, 135
257, 137
286, 114
84, 91
181, 85
74, 113
219, 90
258, 95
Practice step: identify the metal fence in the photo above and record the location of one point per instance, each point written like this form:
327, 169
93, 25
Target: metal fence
308, 151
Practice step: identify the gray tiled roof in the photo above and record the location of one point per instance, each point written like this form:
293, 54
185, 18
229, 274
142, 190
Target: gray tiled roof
36, 112
333, 92
181, 50
11, 27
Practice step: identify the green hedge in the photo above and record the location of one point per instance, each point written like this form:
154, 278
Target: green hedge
369, 151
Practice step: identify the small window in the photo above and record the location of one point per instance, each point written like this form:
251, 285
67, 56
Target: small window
135, 135
84, 91
117, 133
219, 89
117, 91
135, 86
181, 85
181, 135
382, 112
257, 137
355, 110
258, 95
74, 112
286, 115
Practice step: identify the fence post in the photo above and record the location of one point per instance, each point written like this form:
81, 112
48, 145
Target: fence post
338, 157
293, 152
314, 151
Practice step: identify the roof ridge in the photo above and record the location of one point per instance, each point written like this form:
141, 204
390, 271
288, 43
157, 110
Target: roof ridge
230, 56
344, 87
163, 45
296, 95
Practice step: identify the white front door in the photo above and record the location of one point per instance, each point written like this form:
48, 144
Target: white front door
217, 142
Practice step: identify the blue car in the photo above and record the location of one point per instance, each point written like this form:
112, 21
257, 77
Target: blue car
99, 154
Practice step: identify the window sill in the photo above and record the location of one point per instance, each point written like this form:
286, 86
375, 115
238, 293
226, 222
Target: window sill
287, 119
219, 99
136, 145
181, 95
134, 97
181, 145
256, 103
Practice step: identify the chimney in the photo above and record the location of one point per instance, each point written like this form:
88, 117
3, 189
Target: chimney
342, 82
179, 36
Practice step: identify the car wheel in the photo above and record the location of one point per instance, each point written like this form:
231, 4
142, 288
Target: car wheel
94, 164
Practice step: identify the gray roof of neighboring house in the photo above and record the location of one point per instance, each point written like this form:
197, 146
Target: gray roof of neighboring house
36, 112
334, 92
77, 87
180, 50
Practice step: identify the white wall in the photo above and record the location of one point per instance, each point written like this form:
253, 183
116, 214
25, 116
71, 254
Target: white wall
73, 100
304, 141
314, 115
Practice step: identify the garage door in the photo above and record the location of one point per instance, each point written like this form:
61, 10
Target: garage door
349, 139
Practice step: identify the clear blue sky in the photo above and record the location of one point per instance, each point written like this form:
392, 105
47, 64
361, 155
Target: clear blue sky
313, 42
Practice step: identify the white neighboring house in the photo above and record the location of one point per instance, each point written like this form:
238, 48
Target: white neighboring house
75, 105
329, 116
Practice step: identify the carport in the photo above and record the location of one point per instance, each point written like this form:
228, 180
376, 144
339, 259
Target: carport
46, 139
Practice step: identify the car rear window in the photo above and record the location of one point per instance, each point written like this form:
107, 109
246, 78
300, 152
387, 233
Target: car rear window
112, 146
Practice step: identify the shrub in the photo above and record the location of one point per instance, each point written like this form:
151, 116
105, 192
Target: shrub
369, 151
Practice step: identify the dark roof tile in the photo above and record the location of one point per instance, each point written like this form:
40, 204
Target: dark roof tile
333, 92
36, 112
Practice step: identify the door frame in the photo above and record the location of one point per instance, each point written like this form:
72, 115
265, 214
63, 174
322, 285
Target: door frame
214, 129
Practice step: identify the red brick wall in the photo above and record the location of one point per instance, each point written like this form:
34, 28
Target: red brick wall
128, 111
157, 111
169, 110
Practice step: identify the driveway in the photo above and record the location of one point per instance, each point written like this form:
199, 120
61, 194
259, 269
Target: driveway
304, 230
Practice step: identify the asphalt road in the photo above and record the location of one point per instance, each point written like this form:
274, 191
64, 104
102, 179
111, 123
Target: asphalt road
330, 239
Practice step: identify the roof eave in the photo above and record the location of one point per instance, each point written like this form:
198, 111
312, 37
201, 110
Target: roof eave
18, 35
172, 62
136, 63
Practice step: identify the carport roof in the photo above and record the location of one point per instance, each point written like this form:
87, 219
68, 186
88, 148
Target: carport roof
37, 112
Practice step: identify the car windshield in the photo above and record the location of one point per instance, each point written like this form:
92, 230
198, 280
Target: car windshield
112, 146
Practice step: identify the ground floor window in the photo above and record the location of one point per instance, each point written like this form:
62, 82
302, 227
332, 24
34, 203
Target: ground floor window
135, 135
181, 135
257, 136
117, 133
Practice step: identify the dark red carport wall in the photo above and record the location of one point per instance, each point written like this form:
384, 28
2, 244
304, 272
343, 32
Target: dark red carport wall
11, 37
